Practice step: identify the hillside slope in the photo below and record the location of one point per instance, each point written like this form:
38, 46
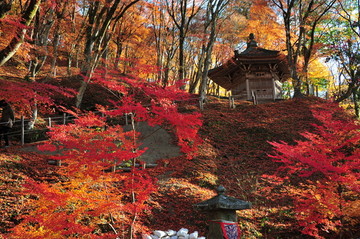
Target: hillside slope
234, 154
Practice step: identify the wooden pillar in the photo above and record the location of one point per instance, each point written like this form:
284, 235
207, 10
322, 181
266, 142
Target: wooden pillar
254, 97
231, 102
248, 92
274, 89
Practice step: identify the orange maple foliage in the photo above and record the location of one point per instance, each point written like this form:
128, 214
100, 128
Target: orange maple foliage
264, 24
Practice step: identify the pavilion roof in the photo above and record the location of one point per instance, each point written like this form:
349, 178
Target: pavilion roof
233, 72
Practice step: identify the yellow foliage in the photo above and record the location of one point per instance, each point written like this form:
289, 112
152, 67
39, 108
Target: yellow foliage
318, 70
263, 23
352, 209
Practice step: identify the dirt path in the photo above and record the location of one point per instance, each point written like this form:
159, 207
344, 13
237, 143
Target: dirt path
159, 142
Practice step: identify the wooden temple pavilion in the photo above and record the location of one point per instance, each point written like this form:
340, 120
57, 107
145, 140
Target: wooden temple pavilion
254, 73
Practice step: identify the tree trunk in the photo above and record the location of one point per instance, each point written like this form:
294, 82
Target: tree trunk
356, 99
57, 34
347, 94
198, 75
209, 47
165, 80
182, 15
81, 93
297, 88
99, 20
119, 49
181, 56
5, 7
55, 51
42, 27
69, 64
9, 51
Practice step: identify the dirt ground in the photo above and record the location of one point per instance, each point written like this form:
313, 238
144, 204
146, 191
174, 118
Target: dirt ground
159, 142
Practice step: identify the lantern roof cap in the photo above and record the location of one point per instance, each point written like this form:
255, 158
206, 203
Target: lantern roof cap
221, 201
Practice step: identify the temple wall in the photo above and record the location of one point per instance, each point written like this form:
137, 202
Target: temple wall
240, 90
262, 87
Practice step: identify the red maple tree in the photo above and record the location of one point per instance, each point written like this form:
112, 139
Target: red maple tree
90, 194
321, 173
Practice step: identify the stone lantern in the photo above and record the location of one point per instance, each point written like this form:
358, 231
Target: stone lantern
222, 215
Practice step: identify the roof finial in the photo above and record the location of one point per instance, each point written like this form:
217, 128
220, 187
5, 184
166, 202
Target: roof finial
251, 42
251, 36
220, 190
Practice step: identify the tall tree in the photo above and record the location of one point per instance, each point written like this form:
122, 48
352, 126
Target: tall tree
214, 10
63, 11
296, 16
100, 15
27, 16
164, 35
132, 40
310, 39
342, 45
182, 12
40, 35
123, 32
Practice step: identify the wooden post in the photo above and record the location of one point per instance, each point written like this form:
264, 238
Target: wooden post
22, 131
274, 89
248, 89
254, 98
232, 102
64, 118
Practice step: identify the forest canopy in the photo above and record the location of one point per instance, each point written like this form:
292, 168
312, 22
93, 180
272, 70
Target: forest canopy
181, 40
